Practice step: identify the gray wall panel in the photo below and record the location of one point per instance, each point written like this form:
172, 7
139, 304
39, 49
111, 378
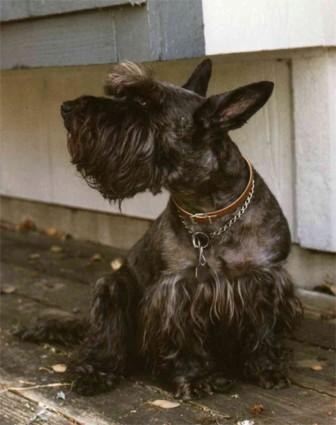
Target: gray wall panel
180, 29
25, 9
68, 40
157, 30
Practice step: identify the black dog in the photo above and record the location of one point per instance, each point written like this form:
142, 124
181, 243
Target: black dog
203, 297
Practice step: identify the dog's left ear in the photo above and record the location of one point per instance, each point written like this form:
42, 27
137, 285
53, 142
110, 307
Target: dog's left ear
232, 109
199, 79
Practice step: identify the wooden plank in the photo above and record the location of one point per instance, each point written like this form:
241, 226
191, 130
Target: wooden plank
30, 363
317, 304
314, 367
162, 30
84, 38
317, 332
291, 406
12, 10
73, 262
307, 402
36, 293
16, 410
128, 403
180, 26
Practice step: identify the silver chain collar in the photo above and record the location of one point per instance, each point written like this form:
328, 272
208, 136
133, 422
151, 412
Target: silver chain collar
227, 225
201, 240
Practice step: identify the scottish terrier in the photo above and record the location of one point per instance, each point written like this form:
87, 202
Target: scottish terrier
203, 298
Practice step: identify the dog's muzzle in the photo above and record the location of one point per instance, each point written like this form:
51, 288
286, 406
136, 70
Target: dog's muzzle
67, 108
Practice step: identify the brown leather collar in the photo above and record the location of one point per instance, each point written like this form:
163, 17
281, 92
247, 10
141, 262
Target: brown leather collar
212, 215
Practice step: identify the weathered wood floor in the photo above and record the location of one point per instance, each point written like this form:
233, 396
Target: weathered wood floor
40, 272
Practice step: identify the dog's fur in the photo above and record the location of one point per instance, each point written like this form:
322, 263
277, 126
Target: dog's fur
149, 135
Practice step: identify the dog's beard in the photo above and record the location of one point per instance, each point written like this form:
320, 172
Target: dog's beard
118, 165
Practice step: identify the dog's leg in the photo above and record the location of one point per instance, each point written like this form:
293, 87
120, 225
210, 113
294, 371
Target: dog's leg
194, 377
106, 351
276, 313
267, 363
175, 336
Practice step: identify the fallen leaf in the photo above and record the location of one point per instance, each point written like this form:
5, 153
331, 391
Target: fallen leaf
26, 224
96, 257
59, 368
7, 289
52, 231
56, 249
116, 263
317, 367
311, 364
165, 404
257, 408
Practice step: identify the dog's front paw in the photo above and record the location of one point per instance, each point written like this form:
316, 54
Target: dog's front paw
273, 379
88, 381
202, 387
219, 383
192, 390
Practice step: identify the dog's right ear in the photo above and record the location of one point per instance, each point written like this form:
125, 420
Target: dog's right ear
199, 79
232, 109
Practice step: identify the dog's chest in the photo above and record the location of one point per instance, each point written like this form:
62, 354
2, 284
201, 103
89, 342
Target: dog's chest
222, 255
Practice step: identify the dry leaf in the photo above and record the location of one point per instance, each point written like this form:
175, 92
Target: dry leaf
257, 408
165, 404
96, 257
52, 231
59, 368
7, 289
56, 249
26, 224
116, 263
310, 364
317, 367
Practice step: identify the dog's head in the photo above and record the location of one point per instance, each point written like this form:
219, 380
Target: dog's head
145, 134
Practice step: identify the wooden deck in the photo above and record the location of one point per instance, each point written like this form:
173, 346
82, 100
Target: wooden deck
41, 272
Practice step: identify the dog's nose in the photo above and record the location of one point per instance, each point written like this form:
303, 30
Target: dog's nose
67, 107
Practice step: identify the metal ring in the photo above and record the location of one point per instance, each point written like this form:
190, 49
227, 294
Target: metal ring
200, 240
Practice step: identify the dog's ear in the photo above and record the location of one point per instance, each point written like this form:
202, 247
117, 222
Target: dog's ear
232, 109
199, 79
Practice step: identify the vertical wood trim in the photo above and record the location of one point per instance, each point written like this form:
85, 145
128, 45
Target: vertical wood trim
314, 85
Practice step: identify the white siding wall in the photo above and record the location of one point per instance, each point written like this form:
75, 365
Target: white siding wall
259, 25
35, 162
314, 82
